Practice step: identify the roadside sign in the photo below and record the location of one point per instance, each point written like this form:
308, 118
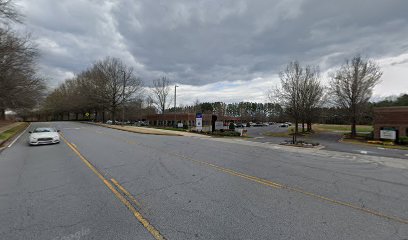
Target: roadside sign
219, 125
388, 134
199, 121
87, 114
180, 125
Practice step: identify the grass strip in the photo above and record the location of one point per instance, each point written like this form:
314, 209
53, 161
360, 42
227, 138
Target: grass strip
8, 134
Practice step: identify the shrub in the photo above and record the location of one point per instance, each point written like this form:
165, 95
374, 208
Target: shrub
227, 133
231, 126
370, 136
403, 140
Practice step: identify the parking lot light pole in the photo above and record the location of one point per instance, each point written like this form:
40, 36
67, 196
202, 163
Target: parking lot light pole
175, 104
123, 97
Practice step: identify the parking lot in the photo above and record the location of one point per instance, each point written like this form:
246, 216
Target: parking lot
329, 140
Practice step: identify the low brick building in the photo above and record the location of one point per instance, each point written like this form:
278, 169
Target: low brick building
388, 120
188, 119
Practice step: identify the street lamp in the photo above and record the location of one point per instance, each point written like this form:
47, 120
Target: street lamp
175, 104
123, 97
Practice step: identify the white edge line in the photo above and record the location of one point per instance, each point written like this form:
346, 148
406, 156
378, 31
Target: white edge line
15, 140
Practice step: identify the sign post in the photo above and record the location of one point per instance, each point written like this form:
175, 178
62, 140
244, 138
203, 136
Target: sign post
199, 121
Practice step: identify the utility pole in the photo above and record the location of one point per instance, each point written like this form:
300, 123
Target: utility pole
175, 104
123, 97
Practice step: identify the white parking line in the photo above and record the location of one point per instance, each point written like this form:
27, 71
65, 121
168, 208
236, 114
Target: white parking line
15, 140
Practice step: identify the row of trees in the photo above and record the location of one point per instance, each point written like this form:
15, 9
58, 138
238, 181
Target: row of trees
108, 85
20, 86
302, 94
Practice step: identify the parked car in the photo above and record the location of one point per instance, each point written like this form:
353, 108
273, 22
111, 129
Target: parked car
284, 125
41, 136
265, 124
240, 125
288, 123
258, 124
272, 123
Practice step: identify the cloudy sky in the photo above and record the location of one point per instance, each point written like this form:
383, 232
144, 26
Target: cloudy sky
219, 50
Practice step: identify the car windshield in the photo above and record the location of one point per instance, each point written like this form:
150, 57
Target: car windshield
43, 130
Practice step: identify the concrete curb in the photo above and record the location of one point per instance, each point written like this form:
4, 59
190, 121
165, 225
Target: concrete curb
130, 130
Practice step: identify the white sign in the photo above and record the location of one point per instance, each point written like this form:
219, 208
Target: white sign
219, 125
388, 134
180, 125
199, 124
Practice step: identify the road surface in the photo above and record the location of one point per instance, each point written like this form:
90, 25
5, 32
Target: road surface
107, 184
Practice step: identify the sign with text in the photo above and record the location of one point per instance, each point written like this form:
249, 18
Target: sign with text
219, 125
388, 134
199, 121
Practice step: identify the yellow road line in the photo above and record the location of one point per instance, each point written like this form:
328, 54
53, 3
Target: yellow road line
155, 233
126, 192
277, 185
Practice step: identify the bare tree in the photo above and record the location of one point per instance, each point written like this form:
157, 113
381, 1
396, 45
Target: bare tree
290, 92
8, 11
20, 87
312, 93
161, 91
352, 86
300, 93
118, 84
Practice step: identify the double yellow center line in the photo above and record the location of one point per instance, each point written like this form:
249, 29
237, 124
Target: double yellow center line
152, 230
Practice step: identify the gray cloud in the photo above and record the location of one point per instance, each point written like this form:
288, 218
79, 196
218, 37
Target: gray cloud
202, 42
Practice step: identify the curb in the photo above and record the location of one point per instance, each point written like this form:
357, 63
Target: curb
127, 130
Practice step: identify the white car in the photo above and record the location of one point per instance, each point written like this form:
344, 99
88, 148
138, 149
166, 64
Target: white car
44, 135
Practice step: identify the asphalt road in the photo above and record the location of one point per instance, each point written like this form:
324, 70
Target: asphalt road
195, 188
330, 141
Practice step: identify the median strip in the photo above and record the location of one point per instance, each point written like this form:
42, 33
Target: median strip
153, 231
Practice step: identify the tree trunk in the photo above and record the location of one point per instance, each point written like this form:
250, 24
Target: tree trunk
296, 131
303, 126
113, 112
353, 127
2, 114
309, 126
296, 126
